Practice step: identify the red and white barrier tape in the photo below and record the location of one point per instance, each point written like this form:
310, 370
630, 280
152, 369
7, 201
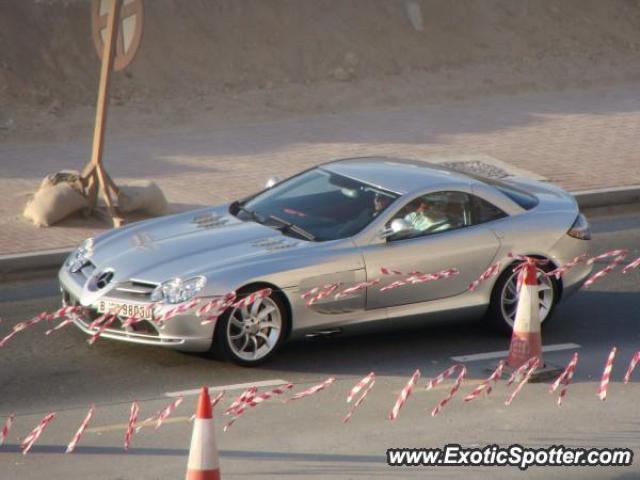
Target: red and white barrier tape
33, 437
525, 379
5, 429
565, 388
485, 386
632, 265
245, 396
178, 310
563, 269
218, 306
486, 275
312, 390
167, 411
83, 426
107, 317
521, 268
214, 402
101, 329
404, 395
255, 401
133, 418
606, 375
66, 311
309, 294
207, 307
565, 379
356, 288
393, 285
252, 298
390, 271
604, 272
417, 277
62, 324
360, 400
632, 365
565, 373
8, 337
96, 323
263, 397
521, 370
611, 253
360, 385
442, 376
18, 327
324, 292
131, 321
217, 398
452, 392
429, 277
159, 416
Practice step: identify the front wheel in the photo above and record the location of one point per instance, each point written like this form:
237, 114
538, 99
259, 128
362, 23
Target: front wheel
249, 336
504, 299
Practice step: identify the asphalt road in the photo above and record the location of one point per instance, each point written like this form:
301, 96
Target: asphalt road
306, 438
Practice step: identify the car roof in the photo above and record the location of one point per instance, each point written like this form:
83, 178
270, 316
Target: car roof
398, 175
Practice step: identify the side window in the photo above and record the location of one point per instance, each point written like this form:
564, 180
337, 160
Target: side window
483, 211
435, 213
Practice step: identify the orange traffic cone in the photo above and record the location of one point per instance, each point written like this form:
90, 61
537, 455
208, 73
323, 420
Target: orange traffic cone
203, 455
526, 340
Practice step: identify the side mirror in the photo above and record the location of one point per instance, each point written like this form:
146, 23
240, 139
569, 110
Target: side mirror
398, 226
272, 181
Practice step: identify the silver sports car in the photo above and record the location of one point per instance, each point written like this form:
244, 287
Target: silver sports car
349, 229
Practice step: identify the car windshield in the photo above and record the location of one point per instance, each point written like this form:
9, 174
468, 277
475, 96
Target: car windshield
316, 205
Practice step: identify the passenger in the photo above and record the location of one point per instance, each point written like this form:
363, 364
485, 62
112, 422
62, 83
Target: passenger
380, 202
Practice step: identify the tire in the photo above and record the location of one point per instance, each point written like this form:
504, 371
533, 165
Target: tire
238, 335
503, 302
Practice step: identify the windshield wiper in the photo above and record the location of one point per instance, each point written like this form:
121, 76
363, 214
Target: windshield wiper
254, 216
292, 227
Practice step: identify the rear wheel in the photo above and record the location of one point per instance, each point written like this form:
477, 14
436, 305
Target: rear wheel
249, 336
504, 299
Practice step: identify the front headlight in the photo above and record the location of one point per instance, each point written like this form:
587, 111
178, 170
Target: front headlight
80, 257
178, 290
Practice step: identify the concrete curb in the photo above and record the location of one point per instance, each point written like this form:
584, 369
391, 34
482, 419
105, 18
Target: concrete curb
52, 259
32, 261
608, 197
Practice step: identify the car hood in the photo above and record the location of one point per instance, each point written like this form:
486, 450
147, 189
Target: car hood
187, 244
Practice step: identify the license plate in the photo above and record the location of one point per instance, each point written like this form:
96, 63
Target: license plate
126, 309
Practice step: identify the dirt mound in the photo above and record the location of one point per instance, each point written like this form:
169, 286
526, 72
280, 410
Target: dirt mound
199, 49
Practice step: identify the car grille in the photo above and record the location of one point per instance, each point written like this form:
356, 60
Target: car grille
133, 290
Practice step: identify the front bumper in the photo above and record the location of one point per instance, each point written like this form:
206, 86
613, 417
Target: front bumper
182, 332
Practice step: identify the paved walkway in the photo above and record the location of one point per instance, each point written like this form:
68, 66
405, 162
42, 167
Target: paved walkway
579, 139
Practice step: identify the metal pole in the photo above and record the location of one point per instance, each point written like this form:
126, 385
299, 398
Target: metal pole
100, 178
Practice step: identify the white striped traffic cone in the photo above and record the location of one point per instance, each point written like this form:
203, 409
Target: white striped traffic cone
526, 340
203, 455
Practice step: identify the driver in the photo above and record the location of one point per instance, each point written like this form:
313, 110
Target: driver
420, 219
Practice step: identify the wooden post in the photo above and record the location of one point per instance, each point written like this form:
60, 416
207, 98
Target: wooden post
95, 179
